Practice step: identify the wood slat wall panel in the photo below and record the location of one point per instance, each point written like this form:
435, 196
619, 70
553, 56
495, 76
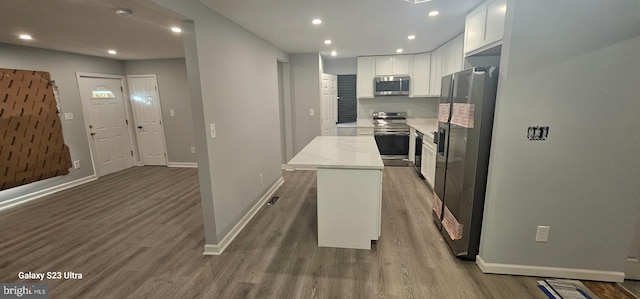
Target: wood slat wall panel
31, 146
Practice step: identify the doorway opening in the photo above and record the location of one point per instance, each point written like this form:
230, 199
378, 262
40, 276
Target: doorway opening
347, 105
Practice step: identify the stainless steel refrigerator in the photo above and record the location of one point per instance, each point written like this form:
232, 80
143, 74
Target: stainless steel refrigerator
466, 109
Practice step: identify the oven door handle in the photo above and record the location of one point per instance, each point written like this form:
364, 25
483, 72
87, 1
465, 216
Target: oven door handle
391, 133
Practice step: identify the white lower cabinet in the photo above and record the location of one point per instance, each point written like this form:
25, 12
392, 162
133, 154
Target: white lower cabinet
428, 167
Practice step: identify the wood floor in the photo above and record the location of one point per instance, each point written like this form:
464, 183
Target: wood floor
139, 234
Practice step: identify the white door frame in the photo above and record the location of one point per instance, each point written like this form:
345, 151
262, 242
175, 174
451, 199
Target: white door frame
127, 116
164, 135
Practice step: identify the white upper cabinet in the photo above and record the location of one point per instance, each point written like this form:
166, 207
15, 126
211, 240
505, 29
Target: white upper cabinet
384, 65
420, 75
447, 59
484, 26
436, 72
425, 69
454, 57
392, 65
494, 29
366, 73
401, 64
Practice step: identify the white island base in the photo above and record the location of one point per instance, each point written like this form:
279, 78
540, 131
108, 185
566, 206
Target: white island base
349, 207
349, 171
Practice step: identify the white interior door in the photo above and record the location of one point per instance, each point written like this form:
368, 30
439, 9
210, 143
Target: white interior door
148, 119
107, 130
632, 268
329, 104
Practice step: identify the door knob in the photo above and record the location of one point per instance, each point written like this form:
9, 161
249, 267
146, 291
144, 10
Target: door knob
139, 127
92, 133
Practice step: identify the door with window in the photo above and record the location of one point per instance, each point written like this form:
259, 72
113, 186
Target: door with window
106, 124
147, 114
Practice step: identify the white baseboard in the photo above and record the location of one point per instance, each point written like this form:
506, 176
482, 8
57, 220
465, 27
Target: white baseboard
183, 164
557, 272
44, 192
217, 249
286, 167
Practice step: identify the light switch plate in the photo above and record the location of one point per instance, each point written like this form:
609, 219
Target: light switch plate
76, 164
68, 116
212, 129
542, 233
172, 112
193, 149
312, 112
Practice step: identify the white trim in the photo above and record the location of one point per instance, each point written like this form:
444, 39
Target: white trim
217, 249
558, 272
632, 268
183, 164
44, 192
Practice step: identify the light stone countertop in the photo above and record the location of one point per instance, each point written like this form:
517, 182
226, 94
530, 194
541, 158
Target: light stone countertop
364, 123
355, 152
424, 125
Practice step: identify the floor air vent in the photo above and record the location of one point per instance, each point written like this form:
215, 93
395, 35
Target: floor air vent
272, 201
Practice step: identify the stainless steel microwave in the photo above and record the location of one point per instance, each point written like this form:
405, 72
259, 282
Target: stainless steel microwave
391, 86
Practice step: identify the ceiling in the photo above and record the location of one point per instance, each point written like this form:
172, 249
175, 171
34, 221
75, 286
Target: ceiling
91, 27
356, 27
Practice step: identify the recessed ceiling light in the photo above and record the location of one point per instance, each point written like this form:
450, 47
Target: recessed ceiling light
399, 51
327, 42
176, 29
124, 12
112, 52
316, 21
412, 37
25, 37
434, 13
334, 53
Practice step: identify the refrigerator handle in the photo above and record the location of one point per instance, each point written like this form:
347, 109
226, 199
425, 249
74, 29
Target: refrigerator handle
442, 133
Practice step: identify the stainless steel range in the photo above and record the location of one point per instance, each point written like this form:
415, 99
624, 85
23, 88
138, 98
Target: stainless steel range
391, 132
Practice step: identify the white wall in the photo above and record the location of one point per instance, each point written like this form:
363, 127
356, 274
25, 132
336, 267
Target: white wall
340, 66
174, 95
572, 65
420, 107
63, 67
305, 83
237, 72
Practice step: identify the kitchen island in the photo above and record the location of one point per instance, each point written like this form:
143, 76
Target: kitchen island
349, 171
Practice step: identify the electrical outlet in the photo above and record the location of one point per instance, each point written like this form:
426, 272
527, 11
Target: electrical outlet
261, 179
409, 112
193, 149
172, 112
68, 116
542, 234
212, 129
76, 164
312, 112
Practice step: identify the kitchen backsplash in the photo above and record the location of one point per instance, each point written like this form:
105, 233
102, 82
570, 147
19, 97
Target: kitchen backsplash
420, 107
